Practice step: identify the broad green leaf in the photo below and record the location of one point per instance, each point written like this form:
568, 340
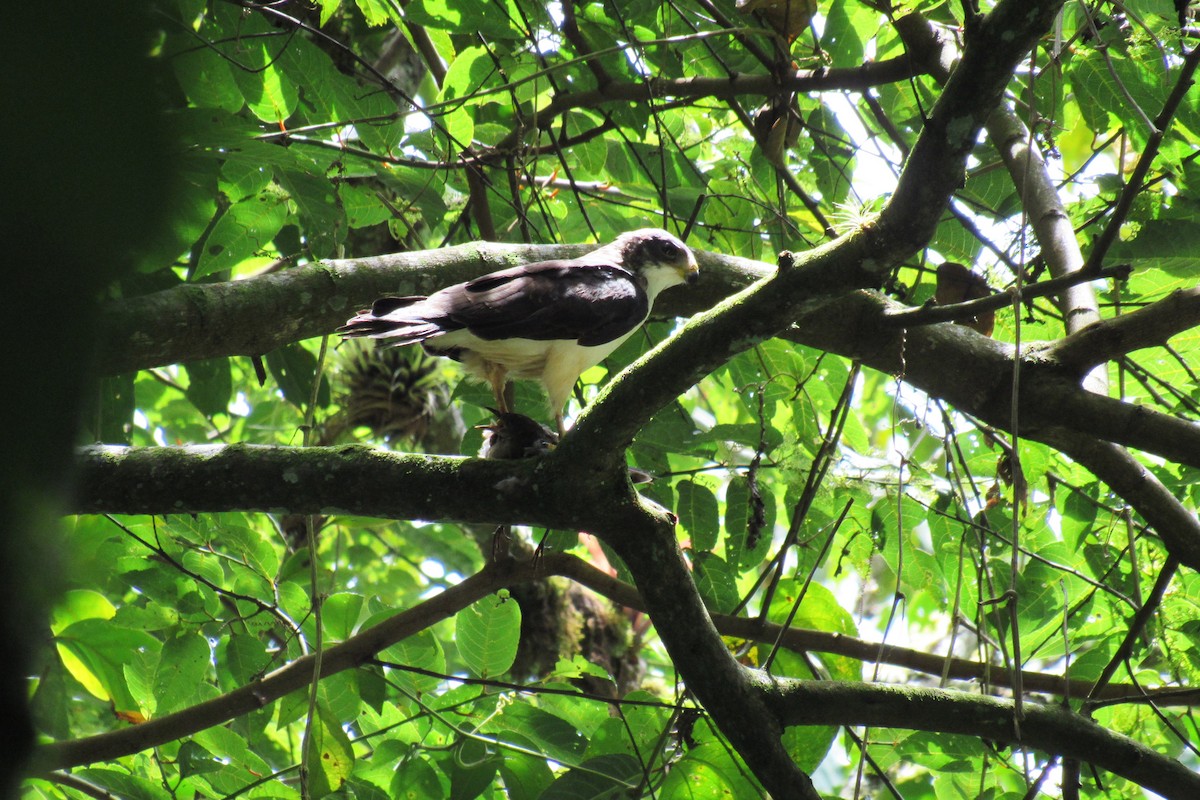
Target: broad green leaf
210, 385
95, 652
1166, 244
697, 510
330, 754
552, 735
183, 666
246, 228
498, 19
322, 220
208, 80
124, 785
601, 776
471, 769
716, 582
340, 614
111, 418
420, 650
708, 772
328, 8
809, 744
293, 368
376, 12
245, 658
818, 610
270, 94
747, 517
80, 604
525, 776
487, 634
418, 780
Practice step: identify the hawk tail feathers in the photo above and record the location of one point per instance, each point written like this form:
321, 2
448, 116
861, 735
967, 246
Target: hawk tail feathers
387, 319
399, 332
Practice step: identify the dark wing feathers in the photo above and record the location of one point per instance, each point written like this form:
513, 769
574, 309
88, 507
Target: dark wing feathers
592, 303
386, 305
548, 300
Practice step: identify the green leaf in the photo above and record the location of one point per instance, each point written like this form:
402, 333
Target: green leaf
421, 650
293, 368
716, 582
321, 218
744, 515
376, 12
708, 772
603, 776
183, 666
270, 94
362, 206
551, 734
1167, 244
818, 610
111, 420
340, 614
210, 385
525, 777
471, 769
245, 229
245, 658
697, 509
487, 634
123, 785
208, 80
418, 780
95, 652
80, 604
330, 754
328, 8
490, 19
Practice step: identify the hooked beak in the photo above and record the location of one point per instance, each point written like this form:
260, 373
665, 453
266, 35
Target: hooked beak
691, 272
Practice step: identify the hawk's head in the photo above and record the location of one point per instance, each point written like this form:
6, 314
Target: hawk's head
659, 258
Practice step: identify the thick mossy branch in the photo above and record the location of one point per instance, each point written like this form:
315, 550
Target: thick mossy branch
1050, 729
353, 479
950, 362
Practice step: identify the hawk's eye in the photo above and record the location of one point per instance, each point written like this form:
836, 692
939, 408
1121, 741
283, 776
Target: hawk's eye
667, 251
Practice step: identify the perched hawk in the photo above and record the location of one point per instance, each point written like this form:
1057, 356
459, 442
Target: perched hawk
547, 321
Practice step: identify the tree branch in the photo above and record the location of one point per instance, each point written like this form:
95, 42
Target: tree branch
806, 640
1150, 326
326, 480
930, 314
1051, 729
